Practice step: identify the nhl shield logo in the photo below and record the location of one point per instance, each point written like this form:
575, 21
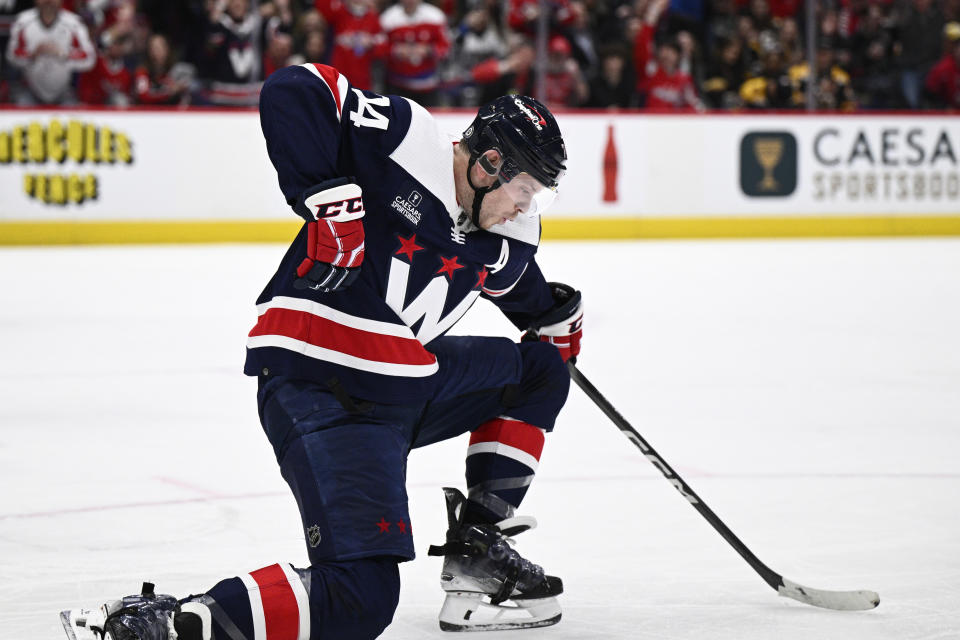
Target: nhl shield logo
313, 535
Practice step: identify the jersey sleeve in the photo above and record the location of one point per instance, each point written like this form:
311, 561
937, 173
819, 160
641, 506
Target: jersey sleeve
518, 287
300, 112
18, 55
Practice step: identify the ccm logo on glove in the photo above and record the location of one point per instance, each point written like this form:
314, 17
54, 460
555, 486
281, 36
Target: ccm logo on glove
335, 240
333, 209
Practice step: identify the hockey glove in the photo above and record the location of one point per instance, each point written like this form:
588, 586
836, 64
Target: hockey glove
562, 325
334, 210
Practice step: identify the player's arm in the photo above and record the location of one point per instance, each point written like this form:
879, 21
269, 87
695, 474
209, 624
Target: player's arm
547, 311
300, 112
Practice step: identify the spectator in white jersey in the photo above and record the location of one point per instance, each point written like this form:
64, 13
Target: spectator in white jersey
48, 44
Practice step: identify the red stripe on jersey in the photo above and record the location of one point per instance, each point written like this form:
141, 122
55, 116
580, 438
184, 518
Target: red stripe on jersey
514, 433
327, 334
280, 609
330, 76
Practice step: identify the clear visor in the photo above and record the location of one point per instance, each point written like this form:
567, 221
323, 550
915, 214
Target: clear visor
528, 194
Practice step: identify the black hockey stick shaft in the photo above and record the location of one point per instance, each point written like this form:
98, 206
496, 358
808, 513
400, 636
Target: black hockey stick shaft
771, 577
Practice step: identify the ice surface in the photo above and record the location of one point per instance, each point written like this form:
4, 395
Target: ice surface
809, 392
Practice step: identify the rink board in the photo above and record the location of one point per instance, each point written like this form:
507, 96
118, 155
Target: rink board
104, 176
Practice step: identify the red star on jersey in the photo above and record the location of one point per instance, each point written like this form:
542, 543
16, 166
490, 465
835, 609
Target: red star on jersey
449, 266
408, 246
384, 526
481, 278
402, 526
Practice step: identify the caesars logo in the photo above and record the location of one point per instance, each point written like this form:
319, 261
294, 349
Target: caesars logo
886, 164
768, 164
47, 146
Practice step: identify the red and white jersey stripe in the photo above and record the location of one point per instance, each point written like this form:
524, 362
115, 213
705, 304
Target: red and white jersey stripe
508, 437
496, 293
334, 80
279, 603
321, 332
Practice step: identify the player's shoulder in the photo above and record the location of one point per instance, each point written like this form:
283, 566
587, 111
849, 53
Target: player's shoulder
425, 151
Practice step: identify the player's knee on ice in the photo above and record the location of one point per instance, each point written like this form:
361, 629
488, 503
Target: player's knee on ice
353, 599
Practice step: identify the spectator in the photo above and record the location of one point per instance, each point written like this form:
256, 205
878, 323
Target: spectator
831, 84
921, 47
418, 42
772, 88
279, 53
232, 59
479, 38
160, 80
49, 44
726, 72
478, 41
110, 81
790, 43
943, 81
358, 38
612, 86
874, 77
565, 85
511, 74
660, 81
523, 16
314, 46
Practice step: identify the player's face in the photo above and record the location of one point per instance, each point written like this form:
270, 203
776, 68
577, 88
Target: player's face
497, 208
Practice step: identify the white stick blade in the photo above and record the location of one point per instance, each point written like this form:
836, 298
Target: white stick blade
839, 600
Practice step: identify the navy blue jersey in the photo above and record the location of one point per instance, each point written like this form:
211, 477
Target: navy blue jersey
424, 263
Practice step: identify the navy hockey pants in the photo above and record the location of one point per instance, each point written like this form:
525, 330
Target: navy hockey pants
346, 467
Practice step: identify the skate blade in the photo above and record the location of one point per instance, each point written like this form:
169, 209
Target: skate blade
471, 611
75, 624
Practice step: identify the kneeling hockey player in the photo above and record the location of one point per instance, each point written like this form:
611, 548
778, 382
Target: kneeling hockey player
404, 229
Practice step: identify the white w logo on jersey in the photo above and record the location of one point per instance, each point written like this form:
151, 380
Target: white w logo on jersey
428, 304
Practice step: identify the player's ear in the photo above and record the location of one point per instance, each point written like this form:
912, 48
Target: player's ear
489, 166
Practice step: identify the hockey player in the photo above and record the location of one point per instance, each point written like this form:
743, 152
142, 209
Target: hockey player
404, 229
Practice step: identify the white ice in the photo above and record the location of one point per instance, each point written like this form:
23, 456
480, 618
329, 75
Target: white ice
809, 391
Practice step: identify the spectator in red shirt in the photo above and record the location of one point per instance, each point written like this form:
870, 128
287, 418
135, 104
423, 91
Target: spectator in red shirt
523, 16
418, 41
159, 80
358, 38
48, 44
662, 81
565, 85
109, 82
943, 81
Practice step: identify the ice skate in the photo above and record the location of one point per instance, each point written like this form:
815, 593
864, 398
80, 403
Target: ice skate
147, 616
489, 585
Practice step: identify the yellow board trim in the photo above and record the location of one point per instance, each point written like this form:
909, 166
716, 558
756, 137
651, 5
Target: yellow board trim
599, 228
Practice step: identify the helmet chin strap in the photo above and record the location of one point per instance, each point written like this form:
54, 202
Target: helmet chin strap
480, 192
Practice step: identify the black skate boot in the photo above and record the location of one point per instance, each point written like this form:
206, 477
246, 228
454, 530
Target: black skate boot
147, 616
489, 585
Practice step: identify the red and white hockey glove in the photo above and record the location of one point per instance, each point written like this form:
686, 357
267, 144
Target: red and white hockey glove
562, 325
334, 237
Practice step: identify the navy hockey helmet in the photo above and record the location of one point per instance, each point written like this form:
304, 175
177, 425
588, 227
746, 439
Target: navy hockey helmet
526, 135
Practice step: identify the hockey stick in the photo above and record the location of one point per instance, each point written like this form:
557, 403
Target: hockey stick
840, 600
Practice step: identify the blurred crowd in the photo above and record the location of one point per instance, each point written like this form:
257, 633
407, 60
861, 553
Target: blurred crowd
652, 54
